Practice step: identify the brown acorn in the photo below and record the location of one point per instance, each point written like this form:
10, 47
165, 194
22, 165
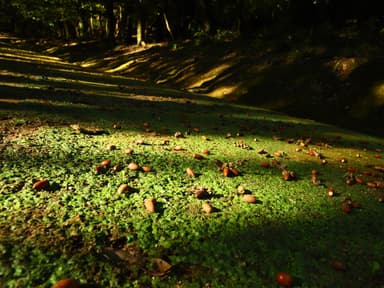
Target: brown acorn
41, 185
133, 166
359, 180
150, 205
207, 208
202, 193
346, 208
249, 198
190, 172
338, 265
146, 169
111, 147
105, 163
288, 175
67, 283
124, 188
331, 192
100, 169
226, 172
205, 151
128, 151
265, 164
198, 156
234, 171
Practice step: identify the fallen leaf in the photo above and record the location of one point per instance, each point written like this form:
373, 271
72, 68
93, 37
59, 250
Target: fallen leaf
160, 267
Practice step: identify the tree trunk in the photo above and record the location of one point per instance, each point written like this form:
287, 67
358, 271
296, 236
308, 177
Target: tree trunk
111, 21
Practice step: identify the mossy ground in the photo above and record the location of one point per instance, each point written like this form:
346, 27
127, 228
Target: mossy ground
82, 228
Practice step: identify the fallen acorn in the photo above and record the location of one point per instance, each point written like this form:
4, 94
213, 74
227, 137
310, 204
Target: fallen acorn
265, 164
234, 171
67, 283
100, 169
359, 180
346, 208
123, 188
205, 151
249, 198
133, 166
284, 279
150, 205
146, 169
190, 172
331, 192
128, 151
338, 265
41, 185
343, 160
371, 184
111, 147
226, 172
240, 189
202, 193
207, 208
288, 175
116, 168
178, 148
105, 163
198, 156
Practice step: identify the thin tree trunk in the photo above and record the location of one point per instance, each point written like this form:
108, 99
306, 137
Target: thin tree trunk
168, 26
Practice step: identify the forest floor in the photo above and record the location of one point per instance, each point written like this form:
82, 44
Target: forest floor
312, 75
117, 182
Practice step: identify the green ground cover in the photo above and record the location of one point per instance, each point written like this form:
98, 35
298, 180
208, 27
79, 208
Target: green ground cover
60, 122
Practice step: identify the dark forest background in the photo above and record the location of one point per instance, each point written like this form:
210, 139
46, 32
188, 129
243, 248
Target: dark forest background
159, 20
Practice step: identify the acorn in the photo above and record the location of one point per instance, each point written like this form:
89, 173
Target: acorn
240, 189
146, 169
105, 163
124, 188
284, 279
202, 193
265, 164
343, 160
41, 185
198, 156
205, 151
150, 205
249, 198
128, 151
331, 192
288, 175
116, 168
190, 172
133, 166
67, 283
234, 171
178, 148
338, 265
100, 169
226, 172
346, 208
207, 208
111, 147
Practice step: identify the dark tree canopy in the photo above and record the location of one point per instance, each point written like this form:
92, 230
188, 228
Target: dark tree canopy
159, 20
